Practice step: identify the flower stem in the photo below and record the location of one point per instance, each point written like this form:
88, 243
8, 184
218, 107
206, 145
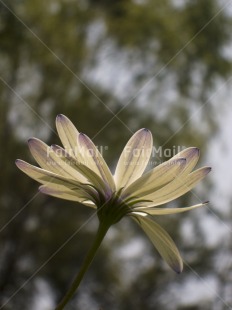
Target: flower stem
102, 230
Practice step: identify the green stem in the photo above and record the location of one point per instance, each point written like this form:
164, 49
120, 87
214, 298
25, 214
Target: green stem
102, 230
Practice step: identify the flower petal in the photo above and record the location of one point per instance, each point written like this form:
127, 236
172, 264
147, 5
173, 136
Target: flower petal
89, 174
178, 187
134, 158
50, 159
95, 161
164, 211
155, 178
65, 193
192, 155
162, 241
44, 176
68, 136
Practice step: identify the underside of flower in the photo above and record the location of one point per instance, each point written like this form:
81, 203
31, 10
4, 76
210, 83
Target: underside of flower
78, 172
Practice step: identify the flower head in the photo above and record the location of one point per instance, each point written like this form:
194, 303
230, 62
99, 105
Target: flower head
78, 172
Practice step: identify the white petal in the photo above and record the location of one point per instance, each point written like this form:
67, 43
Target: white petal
94, 160
178, 187
164, 211
134, 158
44, 176
68, 136
89, 174
51, 159
162, 241
192, 156
156, 178
65, 193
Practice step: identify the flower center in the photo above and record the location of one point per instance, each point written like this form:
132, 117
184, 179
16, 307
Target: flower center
113, 209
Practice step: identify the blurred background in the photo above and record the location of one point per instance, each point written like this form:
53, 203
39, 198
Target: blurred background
113, 67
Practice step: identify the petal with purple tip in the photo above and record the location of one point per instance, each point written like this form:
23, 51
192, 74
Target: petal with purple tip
44, 176
178, 187
162, 241
68, 136
51, 159
89, 174
192, 155
155, 178
134, 158
95, 161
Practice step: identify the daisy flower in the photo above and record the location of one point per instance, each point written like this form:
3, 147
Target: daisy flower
78, 172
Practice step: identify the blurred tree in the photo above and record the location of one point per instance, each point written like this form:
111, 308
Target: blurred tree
51, 55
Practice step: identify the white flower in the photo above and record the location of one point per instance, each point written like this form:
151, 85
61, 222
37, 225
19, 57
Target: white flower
79, 173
